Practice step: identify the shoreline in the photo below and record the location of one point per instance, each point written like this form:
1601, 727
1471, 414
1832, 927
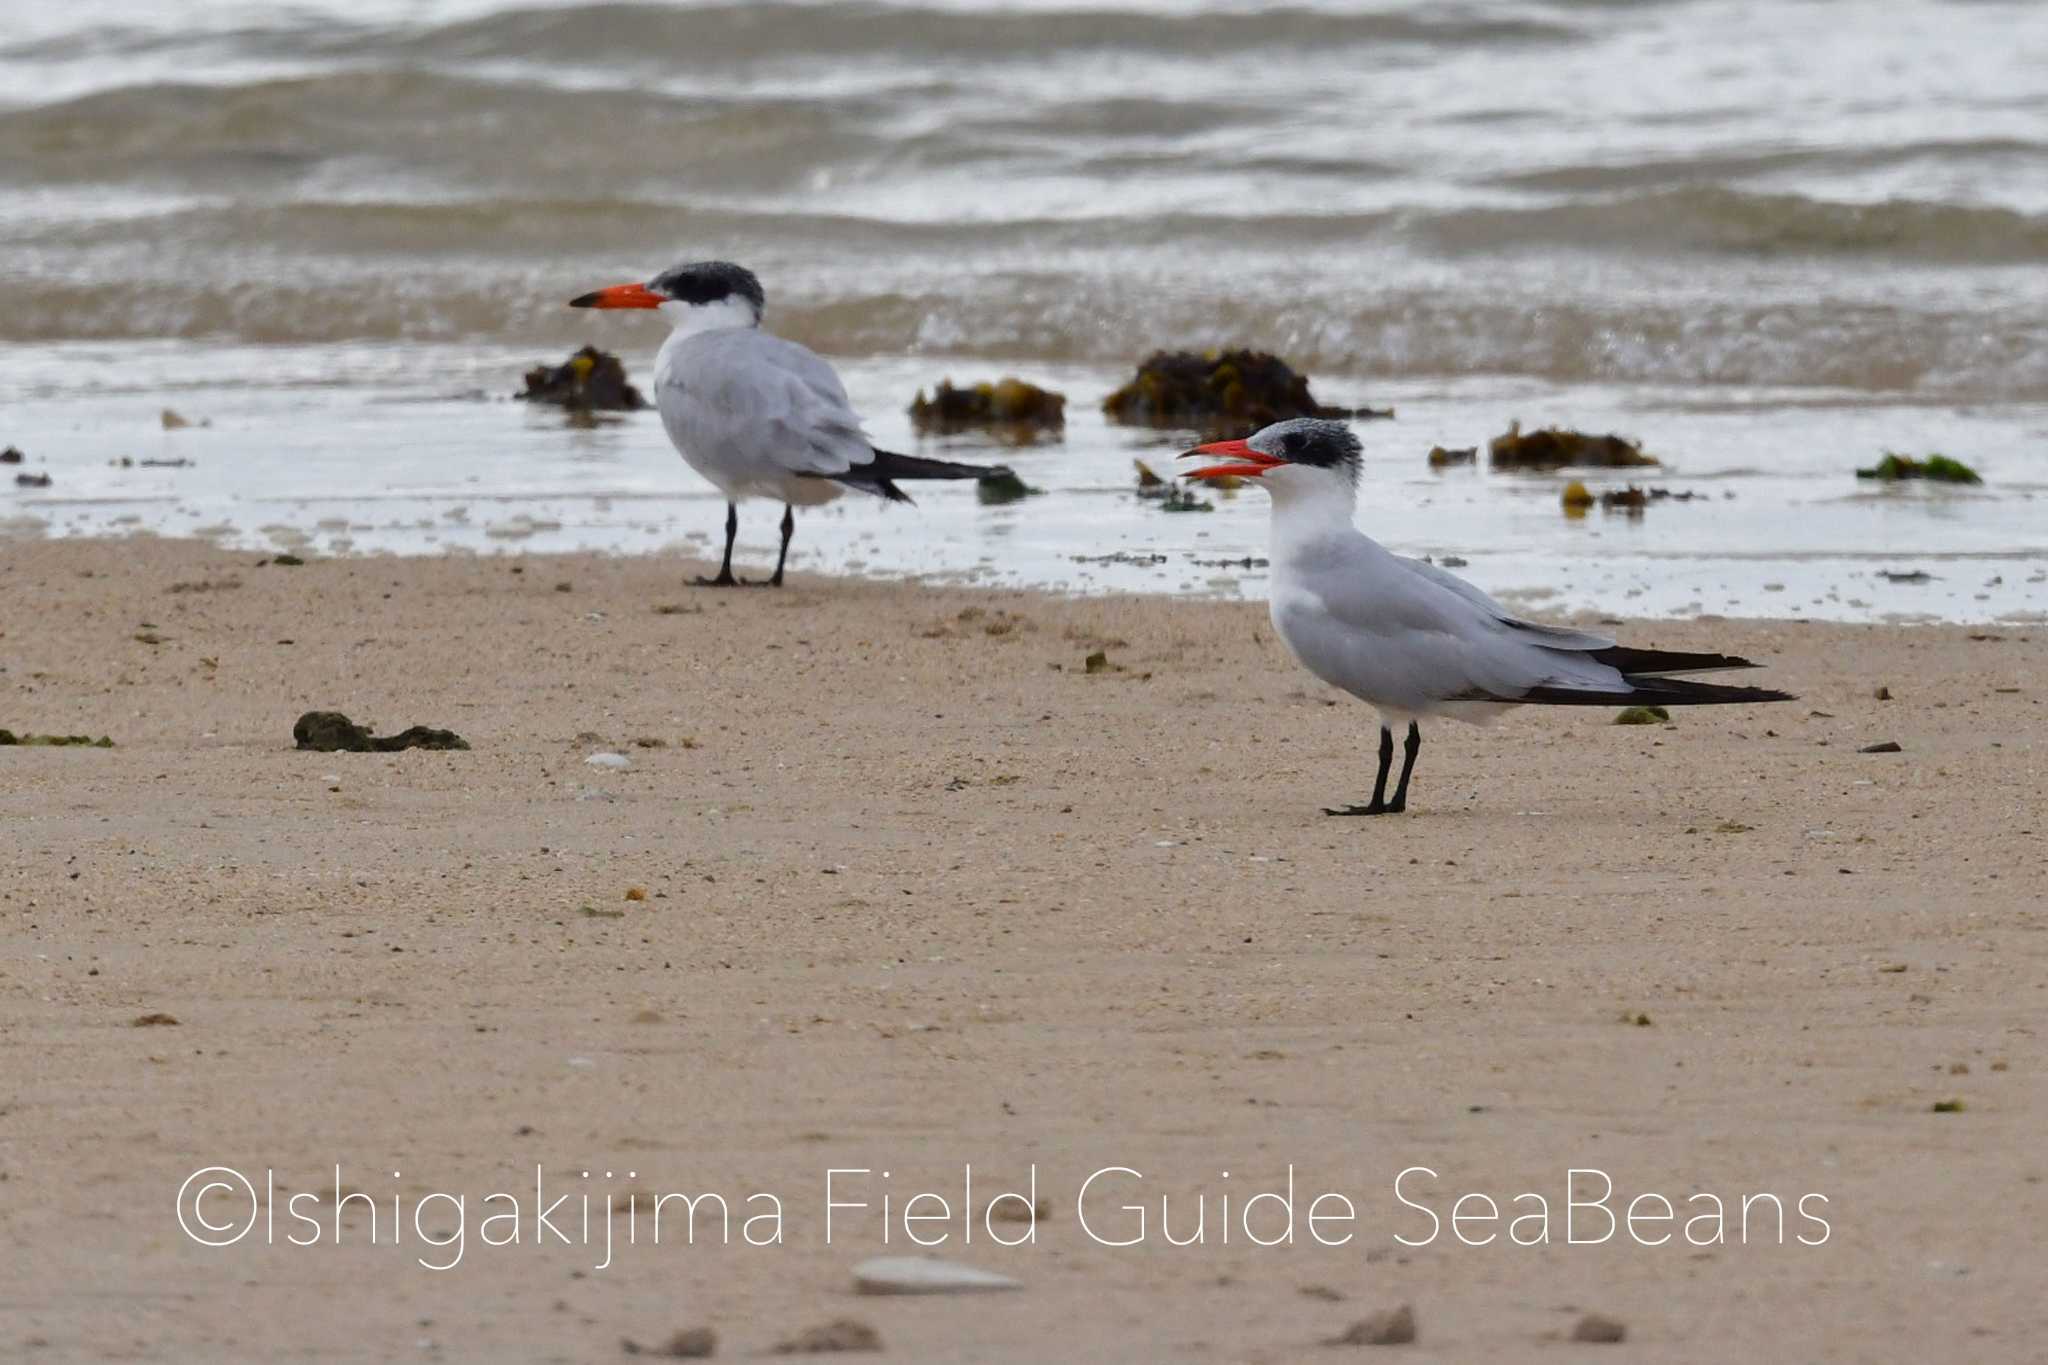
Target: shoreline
691, 555
920, 891
419, 457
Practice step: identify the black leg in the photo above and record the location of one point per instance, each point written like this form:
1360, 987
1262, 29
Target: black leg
732, 531
788, 530
1410, 747
1379, 786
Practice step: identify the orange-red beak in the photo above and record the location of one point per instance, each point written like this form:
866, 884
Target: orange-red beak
620, 296
1248, 463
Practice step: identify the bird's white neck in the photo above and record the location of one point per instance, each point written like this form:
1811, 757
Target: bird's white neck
1309, 502
689, 319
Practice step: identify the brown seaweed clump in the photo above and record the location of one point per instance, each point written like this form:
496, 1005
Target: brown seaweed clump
588, 381
1011, 408
1224, 393
328, 731
1440, 458
1634, 499
1555, 447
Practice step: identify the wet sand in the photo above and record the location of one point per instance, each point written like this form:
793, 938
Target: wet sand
921, 892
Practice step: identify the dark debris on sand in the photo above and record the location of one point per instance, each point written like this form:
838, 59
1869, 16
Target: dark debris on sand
841, 1334
1388, 1327
689, 1343
588, 381
1225, 394
330, 731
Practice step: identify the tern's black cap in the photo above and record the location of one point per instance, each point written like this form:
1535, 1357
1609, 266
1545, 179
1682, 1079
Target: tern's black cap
711, 282
1309, 440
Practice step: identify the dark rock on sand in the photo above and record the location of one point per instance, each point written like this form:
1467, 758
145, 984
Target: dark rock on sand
330, 731
10, 456
841, 1334
1555, 447
1388, 1327
588, 381
32, 480
1598, 1327
690, 1343
1226, 394
1010, 408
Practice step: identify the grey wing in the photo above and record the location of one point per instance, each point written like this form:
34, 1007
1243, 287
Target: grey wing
761, 402
1408, 634
1551, 637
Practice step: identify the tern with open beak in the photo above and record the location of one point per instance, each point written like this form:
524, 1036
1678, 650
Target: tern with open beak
1413, 639
758, 416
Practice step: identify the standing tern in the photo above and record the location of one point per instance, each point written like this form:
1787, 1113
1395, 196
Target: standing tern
758, 416
1413, 639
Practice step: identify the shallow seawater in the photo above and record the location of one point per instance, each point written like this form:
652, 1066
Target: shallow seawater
420, 449
1771, 240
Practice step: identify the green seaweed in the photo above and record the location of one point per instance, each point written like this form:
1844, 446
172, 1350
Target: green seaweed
1937, 468
56, 741
1001, 487
1643, 715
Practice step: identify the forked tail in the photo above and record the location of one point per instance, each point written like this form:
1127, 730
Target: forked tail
880, 475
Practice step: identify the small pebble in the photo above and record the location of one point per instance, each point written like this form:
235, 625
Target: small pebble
614, 761
690, 1343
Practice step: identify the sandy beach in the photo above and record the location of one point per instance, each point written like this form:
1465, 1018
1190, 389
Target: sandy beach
920, 892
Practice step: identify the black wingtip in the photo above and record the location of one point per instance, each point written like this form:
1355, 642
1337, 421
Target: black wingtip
1655, 691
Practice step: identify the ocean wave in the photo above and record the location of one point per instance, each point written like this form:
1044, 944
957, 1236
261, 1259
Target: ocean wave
451, 126
1713, 167
1666, 224
724, 35
1724, 221
1052, 315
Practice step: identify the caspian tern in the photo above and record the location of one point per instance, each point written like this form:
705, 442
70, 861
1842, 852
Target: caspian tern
758, 416
1411, 638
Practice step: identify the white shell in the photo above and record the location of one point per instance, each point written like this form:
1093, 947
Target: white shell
918, 1275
